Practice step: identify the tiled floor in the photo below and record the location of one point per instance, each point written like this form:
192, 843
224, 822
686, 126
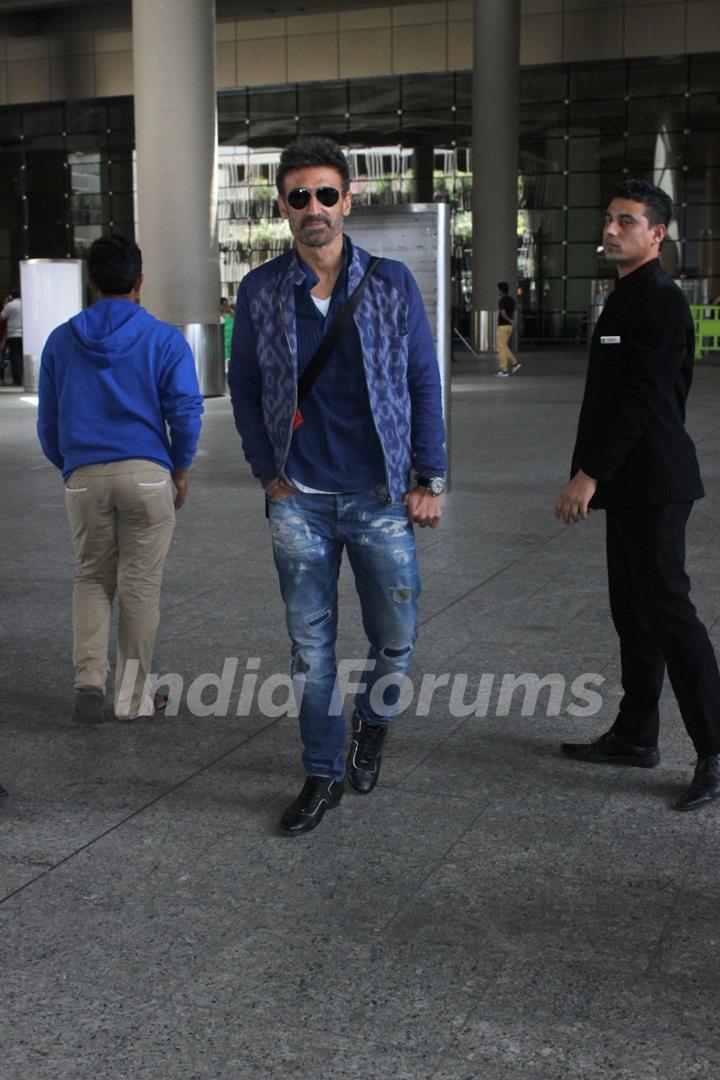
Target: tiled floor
492, 911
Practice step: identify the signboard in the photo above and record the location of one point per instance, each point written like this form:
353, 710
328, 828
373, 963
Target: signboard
52, 291
418, 234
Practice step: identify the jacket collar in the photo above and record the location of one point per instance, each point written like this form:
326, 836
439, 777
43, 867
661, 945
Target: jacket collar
297, 273
648, 269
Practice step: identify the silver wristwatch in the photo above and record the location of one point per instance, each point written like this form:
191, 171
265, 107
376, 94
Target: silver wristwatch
434, 484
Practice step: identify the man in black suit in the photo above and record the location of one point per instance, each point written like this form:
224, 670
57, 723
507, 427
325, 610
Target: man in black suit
634, 458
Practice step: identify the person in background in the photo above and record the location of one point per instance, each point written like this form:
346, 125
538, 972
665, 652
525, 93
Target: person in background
505, 326
11, 316
113, 380
3, 350
634, 459
227, 314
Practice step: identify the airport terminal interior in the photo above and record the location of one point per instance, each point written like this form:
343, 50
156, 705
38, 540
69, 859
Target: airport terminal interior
493, 911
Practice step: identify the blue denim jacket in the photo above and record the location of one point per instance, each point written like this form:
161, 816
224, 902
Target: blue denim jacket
401, 367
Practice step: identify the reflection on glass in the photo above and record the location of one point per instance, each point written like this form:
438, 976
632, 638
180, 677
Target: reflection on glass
542, 84
649, 114
665, 176
650, 78
598, 81
322, 99
579, 137
597, 152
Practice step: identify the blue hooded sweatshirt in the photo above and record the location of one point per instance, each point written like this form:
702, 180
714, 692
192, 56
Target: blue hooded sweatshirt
113, 379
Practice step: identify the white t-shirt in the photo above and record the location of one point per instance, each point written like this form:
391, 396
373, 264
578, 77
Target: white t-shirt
323, 306
13, 313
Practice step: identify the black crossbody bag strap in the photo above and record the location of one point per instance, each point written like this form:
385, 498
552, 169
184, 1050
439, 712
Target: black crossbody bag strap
331, 338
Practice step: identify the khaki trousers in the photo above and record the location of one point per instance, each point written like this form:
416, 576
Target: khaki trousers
506, 358
122, 519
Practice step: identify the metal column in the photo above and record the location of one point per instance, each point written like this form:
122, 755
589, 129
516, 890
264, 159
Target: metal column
496, 97
176, 140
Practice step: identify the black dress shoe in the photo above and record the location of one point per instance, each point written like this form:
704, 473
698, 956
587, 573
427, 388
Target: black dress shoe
704, 786
363, 763
318, 794
608, 750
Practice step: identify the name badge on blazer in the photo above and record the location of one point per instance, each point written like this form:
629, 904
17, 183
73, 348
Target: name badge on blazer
613, 339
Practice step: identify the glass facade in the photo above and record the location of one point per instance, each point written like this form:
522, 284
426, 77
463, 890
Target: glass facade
66, 170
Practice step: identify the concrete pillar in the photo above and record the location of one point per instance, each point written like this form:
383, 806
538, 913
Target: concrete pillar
176, 142
496, 108
423, 167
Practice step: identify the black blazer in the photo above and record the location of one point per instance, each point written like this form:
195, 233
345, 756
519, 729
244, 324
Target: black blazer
631, 432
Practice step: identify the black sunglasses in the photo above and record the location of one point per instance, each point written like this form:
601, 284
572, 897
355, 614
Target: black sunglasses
299, 197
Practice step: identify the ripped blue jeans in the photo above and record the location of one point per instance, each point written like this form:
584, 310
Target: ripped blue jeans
309, 533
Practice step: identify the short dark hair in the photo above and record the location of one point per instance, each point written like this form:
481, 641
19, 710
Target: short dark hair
503, 287
114, 263
658, 204
310, 152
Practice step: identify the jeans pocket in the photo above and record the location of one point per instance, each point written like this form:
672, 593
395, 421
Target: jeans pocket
274, 501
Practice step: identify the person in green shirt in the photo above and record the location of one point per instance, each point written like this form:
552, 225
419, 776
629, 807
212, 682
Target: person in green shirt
227, 313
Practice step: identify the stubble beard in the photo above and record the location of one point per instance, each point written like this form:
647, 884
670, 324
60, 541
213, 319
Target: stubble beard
615, 256
320, 237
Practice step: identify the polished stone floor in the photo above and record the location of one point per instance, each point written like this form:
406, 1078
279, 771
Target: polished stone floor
491, 912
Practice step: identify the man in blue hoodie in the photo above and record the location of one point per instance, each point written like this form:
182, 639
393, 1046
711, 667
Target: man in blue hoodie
337, 471
113, 380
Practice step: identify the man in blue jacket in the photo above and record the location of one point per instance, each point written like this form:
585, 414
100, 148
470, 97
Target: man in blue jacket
337, 471
112, 381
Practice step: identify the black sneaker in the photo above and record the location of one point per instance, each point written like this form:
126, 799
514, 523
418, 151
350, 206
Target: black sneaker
89, 706
609, 750
318, 794
364, 758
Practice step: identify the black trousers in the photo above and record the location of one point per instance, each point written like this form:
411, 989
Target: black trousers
658, 626
15, 350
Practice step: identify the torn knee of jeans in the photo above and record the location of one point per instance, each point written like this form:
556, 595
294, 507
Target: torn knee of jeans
402, 594
319, 618
312, 664
392, 654
300, 665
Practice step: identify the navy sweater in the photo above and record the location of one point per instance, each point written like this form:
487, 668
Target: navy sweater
336, 448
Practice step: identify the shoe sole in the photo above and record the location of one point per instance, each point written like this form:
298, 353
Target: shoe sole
696, 806
625, 762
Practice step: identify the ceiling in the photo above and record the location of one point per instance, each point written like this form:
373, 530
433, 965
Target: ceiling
45, 12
